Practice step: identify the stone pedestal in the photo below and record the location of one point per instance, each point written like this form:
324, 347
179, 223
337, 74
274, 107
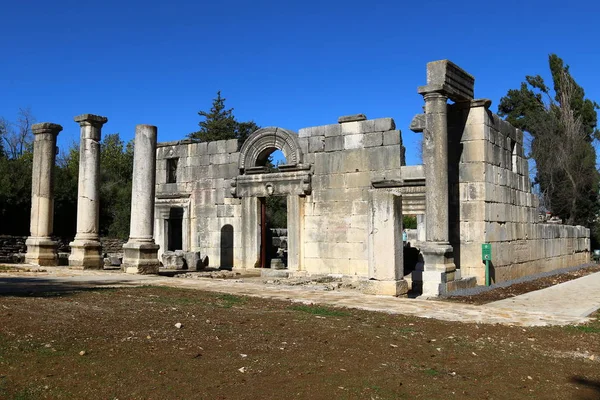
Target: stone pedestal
41, 249
385, 246
140, 253
86, 250
438, 270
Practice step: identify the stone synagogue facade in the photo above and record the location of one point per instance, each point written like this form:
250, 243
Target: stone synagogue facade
347, 187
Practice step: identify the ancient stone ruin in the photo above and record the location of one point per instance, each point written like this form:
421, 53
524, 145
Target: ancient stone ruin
346, 187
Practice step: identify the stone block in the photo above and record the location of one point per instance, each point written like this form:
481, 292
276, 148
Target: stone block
358, 180
373, 139
324, 130
316, 144
212, 147
353, 141
472, 172
219, 158
384, 158
472, 211
334, 143
473, 151
174, 260
351, 118
328, 163
353, 160
472, 191
385, 288
392, 137
232, 146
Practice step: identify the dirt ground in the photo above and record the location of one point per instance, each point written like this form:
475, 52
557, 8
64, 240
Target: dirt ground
524, 287
128, 344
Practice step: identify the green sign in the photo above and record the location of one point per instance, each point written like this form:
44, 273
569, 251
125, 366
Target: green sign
486, 251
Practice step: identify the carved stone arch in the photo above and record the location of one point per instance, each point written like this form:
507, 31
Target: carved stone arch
262, 142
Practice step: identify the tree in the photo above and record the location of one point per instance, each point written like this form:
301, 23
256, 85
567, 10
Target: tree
220, 124
16, 160
562, 124
17, 137
116, 159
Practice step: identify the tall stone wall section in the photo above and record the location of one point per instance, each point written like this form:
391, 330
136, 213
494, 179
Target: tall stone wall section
345, 157
204, 174
495, 203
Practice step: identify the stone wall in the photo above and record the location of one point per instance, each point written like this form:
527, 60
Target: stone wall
346, 157
495, 204
203, 190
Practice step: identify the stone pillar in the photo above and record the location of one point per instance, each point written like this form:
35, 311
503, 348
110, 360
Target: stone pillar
250, 233
140, 253
437, 253
385, 246
435, 165
295, 219
41, 250
86, 248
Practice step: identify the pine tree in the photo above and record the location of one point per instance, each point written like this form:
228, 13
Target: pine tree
219, 124
562, 126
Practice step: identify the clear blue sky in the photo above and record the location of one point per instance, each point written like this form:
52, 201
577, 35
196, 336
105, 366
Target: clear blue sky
281, 63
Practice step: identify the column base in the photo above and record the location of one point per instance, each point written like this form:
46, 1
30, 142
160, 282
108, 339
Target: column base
140, 258
41, 251
438, 269
386, 288
86, 254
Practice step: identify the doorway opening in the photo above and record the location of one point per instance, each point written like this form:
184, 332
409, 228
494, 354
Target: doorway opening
175, 229
274, 236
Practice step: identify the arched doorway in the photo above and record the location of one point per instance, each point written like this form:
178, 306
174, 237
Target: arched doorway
259, 181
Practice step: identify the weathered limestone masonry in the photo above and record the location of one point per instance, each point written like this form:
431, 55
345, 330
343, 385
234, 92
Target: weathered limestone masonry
41, 249
208, 199
346, 219
495, 203
195, 210
346, 187
86, 248
489, 192
140, 253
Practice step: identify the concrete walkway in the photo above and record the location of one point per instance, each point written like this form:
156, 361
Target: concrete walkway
563, 304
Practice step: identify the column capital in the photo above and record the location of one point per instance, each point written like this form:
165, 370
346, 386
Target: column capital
435, 95
90, 120
46, 127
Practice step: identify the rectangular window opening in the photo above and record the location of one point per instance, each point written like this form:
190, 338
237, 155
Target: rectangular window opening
172, 170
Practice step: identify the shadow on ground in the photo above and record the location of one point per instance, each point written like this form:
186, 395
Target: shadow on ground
40, 287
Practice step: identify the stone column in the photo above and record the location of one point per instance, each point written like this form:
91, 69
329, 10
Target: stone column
86, 248
437, 252
140, 252
385, 246
435, 165
41, 250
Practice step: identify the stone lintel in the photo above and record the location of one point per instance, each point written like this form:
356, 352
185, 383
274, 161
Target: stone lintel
90, 119
454, 81
46, 127
279, 183
386, 183
417, 124
173, 195
351, 118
